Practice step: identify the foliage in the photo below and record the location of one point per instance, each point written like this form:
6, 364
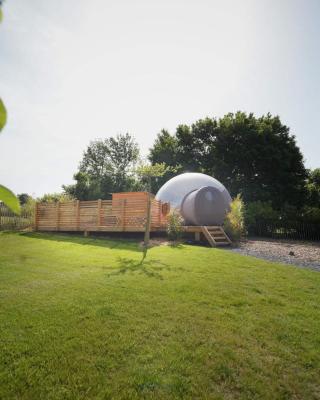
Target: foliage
1, 14
259, 210
148, 171
106, 167
311, 215
256, 157
190, 323
234, 221
55, 197
313, 188
28, 206
263, 220
23, 198
89, 187
174, 225
3, 115
164, 150
6, 195
9, 199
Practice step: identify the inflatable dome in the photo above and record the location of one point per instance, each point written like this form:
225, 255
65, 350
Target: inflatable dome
201, 199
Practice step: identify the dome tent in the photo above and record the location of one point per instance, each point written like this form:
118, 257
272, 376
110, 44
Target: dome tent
201, 199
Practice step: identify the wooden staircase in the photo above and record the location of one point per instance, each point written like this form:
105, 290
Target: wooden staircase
216, 236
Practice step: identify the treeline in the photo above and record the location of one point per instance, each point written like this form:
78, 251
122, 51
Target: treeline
256, 157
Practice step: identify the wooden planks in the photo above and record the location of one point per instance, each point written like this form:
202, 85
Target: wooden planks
215, 235
125, 212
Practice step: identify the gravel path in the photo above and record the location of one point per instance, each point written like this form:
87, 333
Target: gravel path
301, 254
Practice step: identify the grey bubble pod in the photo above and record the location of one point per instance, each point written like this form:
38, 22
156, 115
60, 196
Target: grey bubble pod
201, 199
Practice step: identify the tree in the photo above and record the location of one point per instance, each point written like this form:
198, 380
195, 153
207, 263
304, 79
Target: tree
313, 188
23, 198
256, 157
259, 158
164, 150
147, 172
106, 167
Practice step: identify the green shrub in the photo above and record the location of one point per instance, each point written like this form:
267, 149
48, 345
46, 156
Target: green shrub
234, 221
311, 215
174, 225
259, 210
55, 197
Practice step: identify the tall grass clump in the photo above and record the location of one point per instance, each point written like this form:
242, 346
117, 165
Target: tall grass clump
174, 225
234, 221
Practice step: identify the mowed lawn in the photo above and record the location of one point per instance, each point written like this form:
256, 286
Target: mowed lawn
83, 318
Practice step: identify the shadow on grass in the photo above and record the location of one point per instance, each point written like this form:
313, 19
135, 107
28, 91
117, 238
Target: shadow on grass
176, 245
102, 241
150, 268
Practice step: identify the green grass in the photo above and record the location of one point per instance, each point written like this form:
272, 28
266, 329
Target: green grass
85, 319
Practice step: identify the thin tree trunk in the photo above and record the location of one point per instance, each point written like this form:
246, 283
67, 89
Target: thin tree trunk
148, 222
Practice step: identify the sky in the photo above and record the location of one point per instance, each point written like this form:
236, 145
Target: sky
72, 71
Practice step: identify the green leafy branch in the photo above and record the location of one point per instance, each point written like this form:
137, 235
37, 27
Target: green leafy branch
6, 196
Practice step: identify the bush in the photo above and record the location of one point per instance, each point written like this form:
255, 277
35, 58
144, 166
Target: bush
259, 210
311, 215
174, 225
234, 221
55, 197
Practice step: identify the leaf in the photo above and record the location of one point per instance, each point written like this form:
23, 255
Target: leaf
9, 199
1, 15
155, 170
3, 115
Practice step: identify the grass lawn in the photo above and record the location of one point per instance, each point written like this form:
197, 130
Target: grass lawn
82, 318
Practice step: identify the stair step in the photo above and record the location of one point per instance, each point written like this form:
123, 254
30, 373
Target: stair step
216, 236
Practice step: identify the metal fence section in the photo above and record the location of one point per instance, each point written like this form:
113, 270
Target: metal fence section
12, 222
298, 230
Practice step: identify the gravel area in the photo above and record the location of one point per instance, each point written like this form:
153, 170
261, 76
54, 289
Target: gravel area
301, 254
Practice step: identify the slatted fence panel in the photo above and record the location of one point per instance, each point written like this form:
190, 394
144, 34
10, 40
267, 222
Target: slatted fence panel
125, 212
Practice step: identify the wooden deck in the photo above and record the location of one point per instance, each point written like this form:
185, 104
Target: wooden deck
126, 212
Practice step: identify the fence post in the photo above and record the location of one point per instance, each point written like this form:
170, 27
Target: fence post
124, 214
99, 214
36, 216
78, 215
58, 215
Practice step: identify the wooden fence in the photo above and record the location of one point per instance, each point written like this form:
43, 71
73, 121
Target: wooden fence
12, 222
125, 212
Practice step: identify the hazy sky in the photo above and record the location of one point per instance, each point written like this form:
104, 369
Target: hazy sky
75, 70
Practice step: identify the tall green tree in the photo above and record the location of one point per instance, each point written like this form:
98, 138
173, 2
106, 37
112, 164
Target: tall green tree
313, 188
164, 150
106, 167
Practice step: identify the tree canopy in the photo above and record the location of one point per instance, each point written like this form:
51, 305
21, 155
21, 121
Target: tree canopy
313, 188
107, 166
256, 157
